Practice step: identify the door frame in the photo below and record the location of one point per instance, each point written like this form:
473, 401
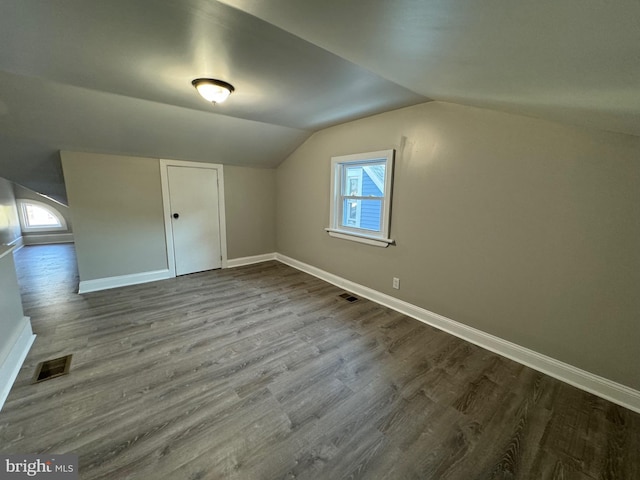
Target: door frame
166, 207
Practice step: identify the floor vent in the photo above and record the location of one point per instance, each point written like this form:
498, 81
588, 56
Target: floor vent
52, 369
348, 297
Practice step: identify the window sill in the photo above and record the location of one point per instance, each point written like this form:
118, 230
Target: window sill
361, 238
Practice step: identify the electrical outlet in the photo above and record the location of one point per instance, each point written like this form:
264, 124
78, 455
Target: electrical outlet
396, 283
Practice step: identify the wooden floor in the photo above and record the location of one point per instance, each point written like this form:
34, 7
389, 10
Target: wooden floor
263, 372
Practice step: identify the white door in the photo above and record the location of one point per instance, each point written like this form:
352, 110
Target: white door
195, 218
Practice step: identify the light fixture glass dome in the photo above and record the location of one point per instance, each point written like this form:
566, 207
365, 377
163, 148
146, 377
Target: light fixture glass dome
215, 91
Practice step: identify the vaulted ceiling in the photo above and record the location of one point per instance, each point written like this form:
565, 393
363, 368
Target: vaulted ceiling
115, 76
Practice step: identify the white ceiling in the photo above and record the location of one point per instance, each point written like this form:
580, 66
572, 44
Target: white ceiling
115, 76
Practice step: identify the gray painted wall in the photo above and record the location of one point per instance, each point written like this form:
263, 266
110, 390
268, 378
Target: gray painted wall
522, 228
9, 222
10, 304
11, 313
250, 200
116, 208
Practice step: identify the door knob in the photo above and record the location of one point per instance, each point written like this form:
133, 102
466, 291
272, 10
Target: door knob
176, 215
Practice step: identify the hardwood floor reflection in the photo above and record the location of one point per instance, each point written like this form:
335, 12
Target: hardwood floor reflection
263, 372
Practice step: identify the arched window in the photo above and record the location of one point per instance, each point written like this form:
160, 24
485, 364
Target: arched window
38, 217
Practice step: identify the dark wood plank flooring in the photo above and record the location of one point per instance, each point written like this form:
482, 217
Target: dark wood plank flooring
263, 372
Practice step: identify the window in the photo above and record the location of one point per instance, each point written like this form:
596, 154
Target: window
361, 197
38, 217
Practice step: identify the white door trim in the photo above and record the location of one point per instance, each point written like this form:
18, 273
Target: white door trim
166, 207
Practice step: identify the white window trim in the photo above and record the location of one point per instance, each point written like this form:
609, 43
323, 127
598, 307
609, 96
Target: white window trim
335, 228
45, 228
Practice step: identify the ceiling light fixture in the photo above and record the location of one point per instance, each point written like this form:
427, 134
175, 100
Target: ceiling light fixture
215, 91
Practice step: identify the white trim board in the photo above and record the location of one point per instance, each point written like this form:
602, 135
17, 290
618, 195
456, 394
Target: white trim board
13, 363
589, 382
87, 286
241, 261
18, 243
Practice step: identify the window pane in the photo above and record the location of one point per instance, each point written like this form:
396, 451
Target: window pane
40, 217
363, 214
364, 180
373, 180
353, 187
353, 181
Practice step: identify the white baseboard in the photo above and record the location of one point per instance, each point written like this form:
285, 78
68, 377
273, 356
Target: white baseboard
48, 238
238, 262
13, 362
87, 286
602, 387
18, 243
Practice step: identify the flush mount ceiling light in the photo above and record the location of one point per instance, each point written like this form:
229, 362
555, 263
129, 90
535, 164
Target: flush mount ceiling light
215, 91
